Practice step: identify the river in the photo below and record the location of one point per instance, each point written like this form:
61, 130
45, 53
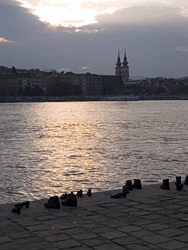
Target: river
49, 148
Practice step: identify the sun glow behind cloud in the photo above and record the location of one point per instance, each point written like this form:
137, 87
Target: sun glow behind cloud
73, 13
78, 13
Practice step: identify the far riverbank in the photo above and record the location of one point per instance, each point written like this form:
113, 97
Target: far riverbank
90, 98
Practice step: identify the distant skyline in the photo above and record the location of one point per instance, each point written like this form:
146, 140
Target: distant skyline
85, 36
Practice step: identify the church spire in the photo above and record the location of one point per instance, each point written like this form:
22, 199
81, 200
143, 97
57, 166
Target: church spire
125, 62
118, 59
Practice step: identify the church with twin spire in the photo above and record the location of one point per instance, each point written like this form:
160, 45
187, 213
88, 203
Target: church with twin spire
122, 69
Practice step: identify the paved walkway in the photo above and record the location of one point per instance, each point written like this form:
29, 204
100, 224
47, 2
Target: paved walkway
150, 218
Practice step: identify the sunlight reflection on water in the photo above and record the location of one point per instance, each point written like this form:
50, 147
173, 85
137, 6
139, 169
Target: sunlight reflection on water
49, 148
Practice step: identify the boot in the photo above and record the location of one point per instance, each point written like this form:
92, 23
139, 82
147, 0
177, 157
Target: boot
80, 193
186, 180
128, 185
178, 180
16, 210
70, 201
26, 204
125, 190
137, 184
165, 184
63, 196
178, 183
179, 186
53, 202
89, 192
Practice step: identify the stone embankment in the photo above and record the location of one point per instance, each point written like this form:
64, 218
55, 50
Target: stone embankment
150, 218
90, 98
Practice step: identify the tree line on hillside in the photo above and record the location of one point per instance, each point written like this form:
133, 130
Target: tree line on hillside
137, 89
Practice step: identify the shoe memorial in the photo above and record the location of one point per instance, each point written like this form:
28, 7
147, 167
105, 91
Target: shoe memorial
21, 204
89, 192
178, 183
179, 186
115, 196
80, 193
53, 202
137, 184
128, 185
16, 210
178, 180
70, 201
165, 184
125, 190
63, 196
186, 180
119, 195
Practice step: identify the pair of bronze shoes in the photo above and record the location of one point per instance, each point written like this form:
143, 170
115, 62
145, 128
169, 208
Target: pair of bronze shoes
80, 193
18, 206
70, 200
130, 186
67, 200
53, 202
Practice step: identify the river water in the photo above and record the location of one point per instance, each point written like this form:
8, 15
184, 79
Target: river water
49, 148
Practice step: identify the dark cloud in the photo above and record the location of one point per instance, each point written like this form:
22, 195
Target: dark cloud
153, 37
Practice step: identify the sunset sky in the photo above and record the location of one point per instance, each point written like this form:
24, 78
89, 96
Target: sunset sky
84, 36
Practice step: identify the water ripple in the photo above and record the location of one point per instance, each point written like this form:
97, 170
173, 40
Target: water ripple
49, 148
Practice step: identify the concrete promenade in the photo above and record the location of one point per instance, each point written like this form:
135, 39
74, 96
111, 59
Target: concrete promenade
150, 218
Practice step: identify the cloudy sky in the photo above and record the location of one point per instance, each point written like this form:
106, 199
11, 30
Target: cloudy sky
84, 36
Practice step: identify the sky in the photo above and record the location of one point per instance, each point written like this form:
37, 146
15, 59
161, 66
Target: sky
85, 36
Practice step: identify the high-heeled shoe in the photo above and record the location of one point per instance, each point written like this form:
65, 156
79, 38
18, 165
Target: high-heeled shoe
21, 204
16, 210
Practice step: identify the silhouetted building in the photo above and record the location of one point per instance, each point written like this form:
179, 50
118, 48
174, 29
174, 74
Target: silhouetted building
111, 84
24, 81
122, 69
8, 85
90, 84
51, 81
